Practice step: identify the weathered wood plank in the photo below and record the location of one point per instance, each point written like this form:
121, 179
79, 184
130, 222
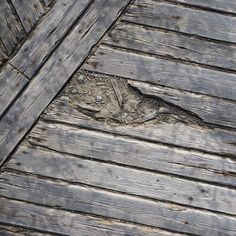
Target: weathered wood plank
183, 19
130, 152
11, 83
211, 110
47, 3
56, 71
125, 179
114, 205
163, 72
166, 43
29, 12
216, 140
3, 53
47, 35
67, 223
11, 31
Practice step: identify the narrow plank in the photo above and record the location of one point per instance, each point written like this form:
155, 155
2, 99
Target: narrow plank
216, 140
67, 223
210, 110
11, 31
3, 54
182, 19
130, 152
11, 83
114, 205
125, 179
166, 43
163, 72
56, 71
29, 12
47, 35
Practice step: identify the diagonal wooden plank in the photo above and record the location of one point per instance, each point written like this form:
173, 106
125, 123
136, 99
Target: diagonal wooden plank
11, 83
47, 35
29, 12
56, 71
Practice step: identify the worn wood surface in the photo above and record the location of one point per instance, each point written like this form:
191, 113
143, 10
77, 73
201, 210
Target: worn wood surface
48, 35
47, 3
29, 12
61, 222
182, 19
11, 84
114, 205
218, 141
172, 45
11, 30
3, 54
163, 72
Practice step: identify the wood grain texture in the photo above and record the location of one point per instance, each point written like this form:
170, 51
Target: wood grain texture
216, 140
162, 72
173, 45
47, 3
125, 179
67, 223
56, 71
47, 35
3, 54
29, 12
11, 83
11, 30
131, 152
186, 20
114, 205
211, 110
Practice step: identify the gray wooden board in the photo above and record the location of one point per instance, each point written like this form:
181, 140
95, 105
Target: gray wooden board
211, 110
171, 44
3, 53
11, 83
228, 6
46, 36
67, 223
163, 72
56, 71
216, 140
183, 19
114, 205
125, 179
46, 3
131, 152
29, 12
11, 30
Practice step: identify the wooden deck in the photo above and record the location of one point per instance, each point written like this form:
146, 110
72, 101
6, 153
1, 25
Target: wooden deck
118, 118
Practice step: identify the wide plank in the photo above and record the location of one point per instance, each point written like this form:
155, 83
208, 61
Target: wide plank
11, 84
11, 30
182, 19
114, 205
29, 12
124, 179
56, 71
47, 35
162, 72
131, 152
66, 223
216, 140
209, 109
172, 45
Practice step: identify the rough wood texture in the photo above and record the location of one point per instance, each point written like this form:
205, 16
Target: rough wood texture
163, 72
129, 152
216, 140
114, 205
11, 83
11, 31
56, 71
183, 19
211, 110
67, 223
171, 44
47, 35
125, 179
47, 3
29, 12
3, 53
